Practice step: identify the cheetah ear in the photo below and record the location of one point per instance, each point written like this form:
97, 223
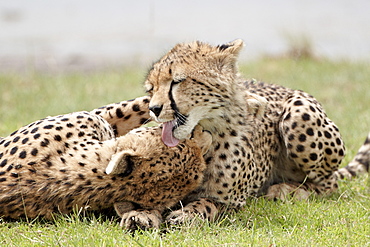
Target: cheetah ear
121, 163
233, 47
226, 58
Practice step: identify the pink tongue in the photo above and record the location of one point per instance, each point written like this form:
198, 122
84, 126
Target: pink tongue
167, 135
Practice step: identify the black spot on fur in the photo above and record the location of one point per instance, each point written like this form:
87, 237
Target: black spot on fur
339, 142
302, 138
143, 120
305, 117
57, 138
233, 133
136, 107
45, 143
25, 140
23, 154
34, 151
298, 102
310, 132
223, 157
50, 126
291, 137
328, 151
327, 134
300, 148
13, 150
313, 156
119, 113
318, 121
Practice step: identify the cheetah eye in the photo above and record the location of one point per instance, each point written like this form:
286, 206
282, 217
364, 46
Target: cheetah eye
149, 89
177, 81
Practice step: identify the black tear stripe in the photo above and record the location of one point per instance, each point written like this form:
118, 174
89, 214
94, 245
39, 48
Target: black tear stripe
170, 96
180, 119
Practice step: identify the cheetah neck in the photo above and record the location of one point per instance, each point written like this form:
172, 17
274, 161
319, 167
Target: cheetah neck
233, 116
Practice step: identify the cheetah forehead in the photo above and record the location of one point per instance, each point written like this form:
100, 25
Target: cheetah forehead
192, 59
143, 141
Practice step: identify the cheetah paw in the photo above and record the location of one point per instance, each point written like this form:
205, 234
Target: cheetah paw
141, 219
285, 191
179, 217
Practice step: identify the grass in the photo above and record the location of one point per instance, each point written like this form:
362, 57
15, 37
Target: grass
343, 219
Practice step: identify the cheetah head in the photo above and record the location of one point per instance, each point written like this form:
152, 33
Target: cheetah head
190, 83
151, 169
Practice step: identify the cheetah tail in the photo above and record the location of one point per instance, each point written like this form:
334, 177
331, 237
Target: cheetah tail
360, 163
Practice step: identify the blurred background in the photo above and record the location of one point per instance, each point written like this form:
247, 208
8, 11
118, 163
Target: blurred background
93, 34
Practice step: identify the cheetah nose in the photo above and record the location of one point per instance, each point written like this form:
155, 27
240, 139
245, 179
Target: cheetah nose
156, 109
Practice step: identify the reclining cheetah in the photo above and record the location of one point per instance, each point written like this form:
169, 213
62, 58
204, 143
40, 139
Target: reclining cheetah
267, 139
71, 161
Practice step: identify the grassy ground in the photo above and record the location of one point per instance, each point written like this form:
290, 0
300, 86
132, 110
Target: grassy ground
343, 219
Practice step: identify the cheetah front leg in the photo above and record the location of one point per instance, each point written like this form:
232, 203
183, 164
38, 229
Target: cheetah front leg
202, 208
125, 115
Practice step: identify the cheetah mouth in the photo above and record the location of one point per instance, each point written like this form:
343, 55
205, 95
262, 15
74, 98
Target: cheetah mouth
167, 132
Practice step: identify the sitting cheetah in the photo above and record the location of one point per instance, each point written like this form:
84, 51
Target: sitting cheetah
74, 161
267, 139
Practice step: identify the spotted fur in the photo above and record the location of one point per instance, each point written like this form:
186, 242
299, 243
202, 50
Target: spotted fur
360, 163
267, 139
74, 161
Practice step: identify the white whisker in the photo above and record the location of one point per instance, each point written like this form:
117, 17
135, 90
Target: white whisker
148, 120
181, 119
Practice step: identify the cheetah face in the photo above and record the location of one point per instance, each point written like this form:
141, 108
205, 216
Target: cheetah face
192, 82
134, 154
156, 175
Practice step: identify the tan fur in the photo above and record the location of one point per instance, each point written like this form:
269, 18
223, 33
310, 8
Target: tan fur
58, 164
360, 163
266, 138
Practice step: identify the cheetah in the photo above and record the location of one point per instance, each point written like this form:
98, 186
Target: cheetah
88, 161
268, 140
